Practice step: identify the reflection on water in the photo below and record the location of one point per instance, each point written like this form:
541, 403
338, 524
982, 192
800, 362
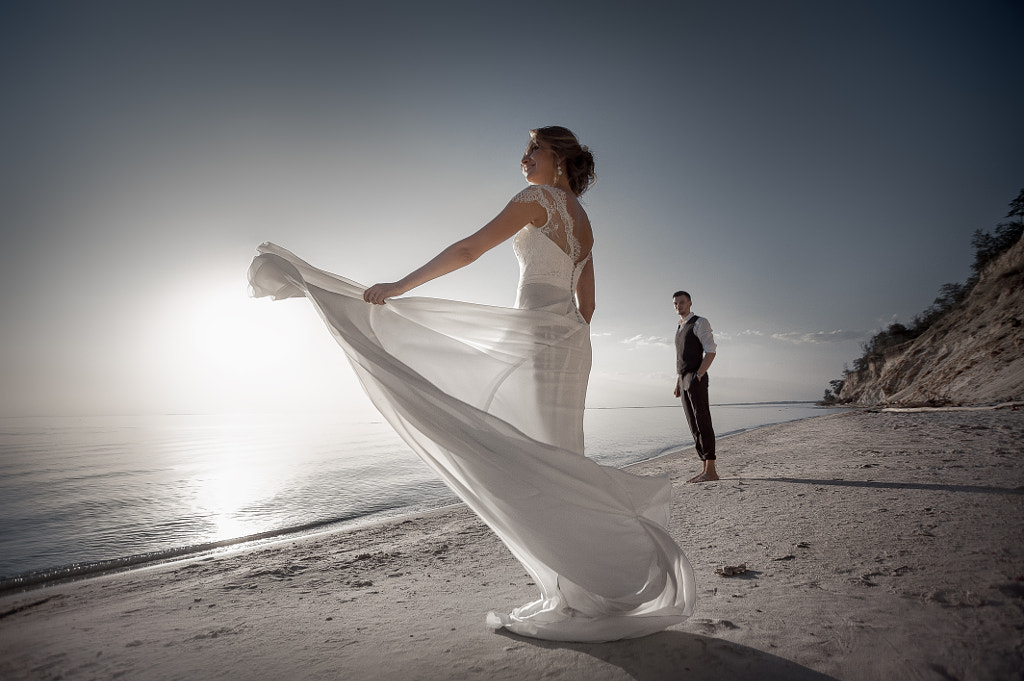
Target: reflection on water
93, 489
231, 484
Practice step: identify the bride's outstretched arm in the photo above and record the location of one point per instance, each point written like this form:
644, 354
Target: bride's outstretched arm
462, 252
585, 297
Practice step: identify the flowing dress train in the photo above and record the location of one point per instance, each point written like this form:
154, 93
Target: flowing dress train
492, 400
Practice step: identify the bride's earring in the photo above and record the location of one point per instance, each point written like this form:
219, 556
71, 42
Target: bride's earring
558, 174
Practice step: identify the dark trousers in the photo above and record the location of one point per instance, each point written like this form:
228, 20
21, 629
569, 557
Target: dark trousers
698, 416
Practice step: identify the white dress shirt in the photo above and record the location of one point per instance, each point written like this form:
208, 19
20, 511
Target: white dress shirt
703, 331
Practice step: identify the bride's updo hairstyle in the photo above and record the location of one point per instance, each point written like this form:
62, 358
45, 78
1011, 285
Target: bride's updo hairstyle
579, 162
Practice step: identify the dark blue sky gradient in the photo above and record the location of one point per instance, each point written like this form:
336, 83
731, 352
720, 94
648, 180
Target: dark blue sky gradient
810, 171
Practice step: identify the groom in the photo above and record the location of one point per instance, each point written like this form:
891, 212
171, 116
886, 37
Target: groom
695, 350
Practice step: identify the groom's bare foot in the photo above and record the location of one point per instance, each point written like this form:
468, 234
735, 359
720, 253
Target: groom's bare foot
707, 472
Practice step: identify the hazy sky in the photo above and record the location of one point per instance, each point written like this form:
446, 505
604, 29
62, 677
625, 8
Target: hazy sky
809, 171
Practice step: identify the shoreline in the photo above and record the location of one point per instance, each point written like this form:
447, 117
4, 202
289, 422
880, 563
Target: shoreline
22, 582
877, 545
73, 572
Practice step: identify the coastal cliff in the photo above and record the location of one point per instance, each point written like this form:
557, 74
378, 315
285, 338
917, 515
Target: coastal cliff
972, 355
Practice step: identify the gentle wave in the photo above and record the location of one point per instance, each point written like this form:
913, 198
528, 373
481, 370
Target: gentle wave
86, 569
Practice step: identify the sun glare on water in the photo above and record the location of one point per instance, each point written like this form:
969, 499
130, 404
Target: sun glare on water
230, 492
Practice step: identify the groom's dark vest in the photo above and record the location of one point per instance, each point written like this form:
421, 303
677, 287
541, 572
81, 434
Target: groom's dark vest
689, 349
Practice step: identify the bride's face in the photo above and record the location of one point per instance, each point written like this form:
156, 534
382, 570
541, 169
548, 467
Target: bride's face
538, 164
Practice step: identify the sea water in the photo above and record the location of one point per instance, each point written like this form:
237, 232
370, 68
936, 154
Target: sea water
79, 494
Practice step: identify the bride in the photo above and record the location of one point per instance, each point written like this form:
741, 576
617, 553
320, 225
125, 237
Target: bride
492, 400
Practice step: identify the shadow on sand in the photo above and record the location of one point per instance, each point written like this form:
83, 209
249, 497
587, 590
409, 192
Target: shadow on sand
836, 482
672, 655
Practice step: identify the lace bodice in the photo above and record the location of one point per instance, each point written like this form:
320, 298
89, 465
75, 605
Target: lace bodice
549, 255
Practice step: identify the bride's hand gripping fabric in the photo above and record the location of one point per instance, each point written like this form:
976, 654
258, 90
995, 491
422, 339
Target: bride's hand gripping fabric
514, 217
377, 293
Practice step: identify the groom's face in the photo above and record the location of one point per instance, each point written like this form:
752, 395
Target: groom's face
682, 305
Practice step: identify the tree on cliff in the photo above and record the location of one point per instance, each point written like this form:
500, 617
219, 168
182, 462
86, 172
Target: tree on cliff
988, 247
835, 386
1017, 209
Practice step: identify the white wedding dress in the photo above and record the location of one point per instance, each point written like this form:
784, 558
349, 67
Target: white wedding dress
492, 400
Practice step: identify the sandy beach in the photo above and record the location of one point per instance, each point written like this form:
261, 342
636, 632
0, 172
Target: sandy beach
877, 546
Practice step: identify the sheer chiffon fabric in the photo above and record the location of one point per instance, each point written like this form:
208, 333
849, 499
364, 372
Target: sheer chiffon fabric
492, 400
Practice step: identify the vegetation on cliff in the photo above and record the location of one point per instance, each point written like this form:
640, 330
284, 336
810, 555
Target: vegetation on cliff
988, 246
